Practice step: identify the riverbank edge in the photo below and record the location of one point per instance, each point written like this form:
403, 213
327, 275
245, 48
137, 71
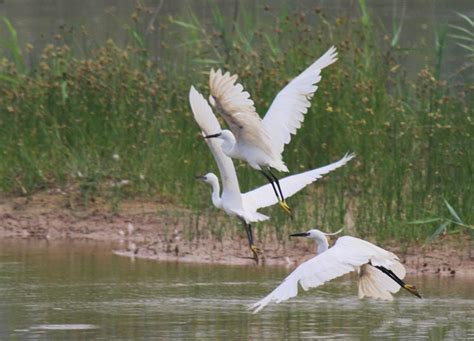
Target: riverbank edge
157, 231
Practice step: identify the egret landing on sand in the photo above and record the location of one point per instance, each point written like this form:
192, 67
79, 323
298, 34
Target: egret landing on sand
260, 142
232, 201
380, 271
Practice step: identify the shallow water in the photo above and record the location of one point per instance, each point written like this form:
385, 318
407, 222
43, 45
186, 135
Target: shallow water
83, 291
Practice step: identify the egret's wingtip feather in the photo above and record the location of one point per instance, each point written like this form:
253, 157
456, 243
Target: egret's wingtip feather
286, 113
255, 307
349, 155
193, 94
192, 91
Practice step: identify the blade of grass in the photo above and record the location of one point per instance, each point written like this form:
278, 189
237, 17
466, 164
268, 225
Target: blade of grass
14, 46
453, 212
441, 228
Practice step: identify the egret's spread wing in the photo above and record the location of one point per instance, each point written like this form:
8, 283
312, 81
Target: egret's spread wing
230, 97
286, 113
264, 196
203, 113
209, 125
236, 107
345, 256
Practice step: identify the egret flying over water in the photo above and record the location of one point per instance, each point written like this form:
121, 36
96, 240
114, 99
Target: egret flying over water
232, 201
260, 142
380, 271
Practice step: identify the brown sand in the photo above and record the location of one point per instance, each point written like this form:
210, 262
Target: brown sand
159, 233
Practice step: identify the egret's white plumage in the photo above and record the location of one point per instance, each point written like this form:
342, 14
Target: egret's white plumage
232, 201
259, 141
374, 283
348, 254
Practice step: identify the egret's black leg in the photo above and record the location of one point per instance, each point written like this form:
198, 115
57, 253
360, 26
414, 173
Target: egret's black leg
271, 181
249, 233
255, 250
278, 185
408, 287
282, 203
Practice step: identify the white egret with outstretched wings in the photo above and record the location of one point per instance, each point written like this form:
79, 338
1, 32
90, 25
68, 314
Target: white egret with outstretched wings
380, 272
260, 142
232, 201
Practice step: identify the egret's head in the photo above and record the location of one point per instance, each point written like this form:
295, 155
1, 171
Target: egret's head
318, 236
227, 138
208, 178
225, 135
314, 234
311, 234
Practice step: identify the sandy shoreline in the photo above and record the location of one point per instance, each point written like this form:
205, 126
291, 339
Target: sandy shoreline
159, 235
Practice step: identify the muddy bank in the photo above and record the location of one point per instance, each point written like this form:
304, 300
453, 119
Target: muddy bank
156, 230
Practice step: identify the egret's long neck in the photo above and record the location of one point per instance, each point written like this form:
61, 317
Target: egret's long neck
322, 244
216, 200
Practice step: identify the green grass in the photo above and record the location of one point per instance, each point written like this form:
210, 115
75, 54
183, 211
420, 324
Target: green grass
62, 120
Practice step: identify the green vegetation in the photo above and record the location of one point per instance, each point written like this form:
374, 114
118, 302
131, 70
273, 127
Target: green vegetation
63, 119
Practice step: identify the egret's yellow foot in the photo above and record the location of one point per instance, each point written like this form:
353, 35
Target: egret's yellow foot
284, 206
412, 289
256, 252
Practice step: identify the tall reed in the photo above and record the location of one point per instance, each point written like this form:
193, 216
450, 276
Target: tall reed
117, 123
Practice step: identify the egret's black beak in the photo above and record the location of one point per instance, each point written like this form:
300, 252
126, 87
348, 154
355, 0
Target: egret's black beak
201, 177
301, 234
213, 135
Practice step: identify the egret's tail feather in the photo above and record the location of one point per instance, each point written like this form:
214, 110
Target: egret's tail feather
374, 283
259, 217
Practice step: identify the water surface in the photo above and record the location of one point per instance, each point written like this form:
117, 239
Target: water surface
83, 291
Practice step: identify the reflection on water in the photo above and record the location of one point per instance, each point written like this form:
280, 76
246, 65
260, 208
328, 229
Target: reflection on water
83, 291
62, 327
